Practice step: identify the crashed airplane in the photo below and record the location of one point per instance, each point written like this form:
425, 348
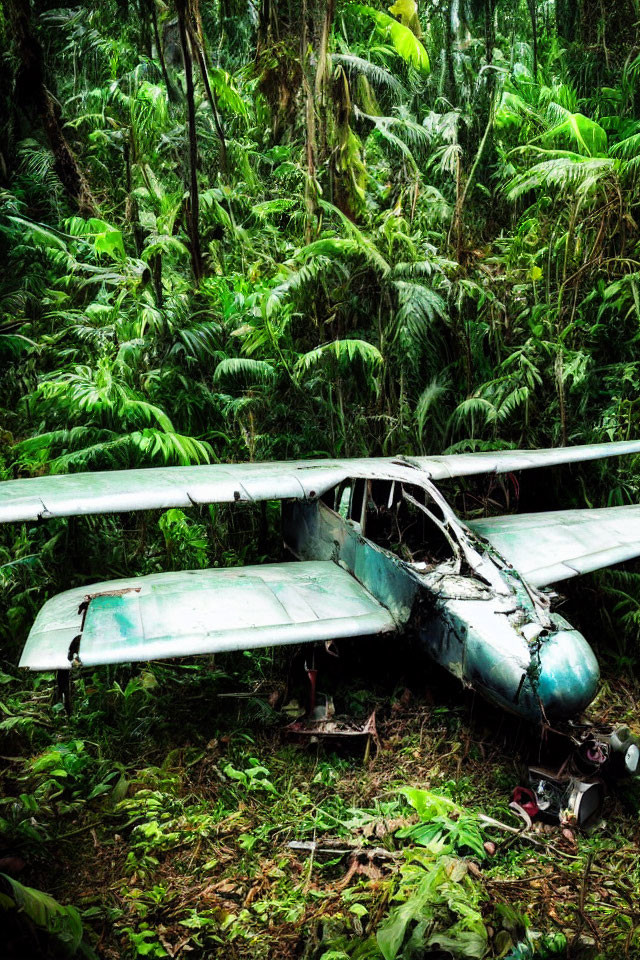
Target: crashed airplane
378, 551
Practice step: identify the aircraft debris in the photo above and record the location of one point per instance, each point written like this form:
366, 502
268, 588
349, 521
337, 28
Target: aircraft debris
378, 551
322, 724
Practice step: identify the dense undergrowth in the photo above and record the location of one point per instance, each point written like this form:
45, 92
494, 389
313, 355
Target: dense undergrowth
164, 809
234, 231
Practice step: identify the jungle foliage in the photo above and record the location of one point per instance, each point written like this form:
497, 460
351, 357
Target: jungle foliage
240, 231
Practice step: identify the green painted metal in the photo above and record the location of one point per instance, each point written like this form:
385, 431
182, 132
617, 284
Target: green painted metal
203, 611
162, 487
506, 645
313, 530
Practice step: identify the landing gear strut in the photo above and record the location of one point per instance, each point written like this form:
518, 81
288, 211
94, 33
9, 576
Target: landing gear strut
62, 692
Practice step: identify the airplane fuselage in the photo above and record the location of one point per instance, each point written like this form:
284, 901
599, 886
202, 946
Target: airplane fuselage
473, 613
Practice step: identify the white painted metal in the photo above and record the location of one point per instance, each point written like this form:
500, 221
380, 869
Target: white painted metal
548, 547
204, 611
159, 488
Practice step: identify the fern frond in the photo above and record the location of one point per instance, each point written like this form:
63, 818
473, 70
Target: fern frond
627, 149
310, 273
427, 400
366, 247
418, 306
513, 400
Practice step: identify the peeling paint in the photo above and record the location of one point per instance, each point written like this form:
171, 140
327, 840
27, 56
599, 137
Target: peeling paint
203, 611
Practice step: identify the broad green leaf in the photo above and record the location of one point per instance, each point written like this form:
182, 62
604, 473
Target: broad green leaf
403, 40
407, 10
63, 922
164, 244
586, 135
40, 235
428, 804
466, 943
391, 935
358, 910
226, 92
110, 242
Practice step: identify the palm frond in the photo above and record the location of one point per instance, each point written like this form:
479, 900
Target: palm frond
366, 247
418, 306
562, 171
319, 265
473, 413
344, 352
627, 149
428, 400
377, 76
244, 370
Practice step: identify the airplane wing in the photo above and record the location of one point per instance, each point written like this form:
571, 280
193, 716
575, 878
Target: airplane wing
202, 611
547, 547
117, 491
509, 461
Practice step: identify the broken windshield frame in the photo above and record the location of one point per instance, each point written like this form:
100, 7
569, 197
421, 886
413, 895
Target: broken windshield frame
394, 516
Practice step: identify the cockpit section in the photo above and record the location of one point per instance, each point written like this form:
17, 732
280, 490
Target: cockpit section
399, 517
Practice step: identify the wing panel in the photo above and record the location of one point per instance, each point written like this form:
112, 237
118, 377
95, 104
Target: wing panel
204, 611
548, 547
509, 461
117, 491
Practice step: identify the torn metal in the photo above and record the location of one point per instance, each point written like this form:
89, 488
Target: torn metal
329, 727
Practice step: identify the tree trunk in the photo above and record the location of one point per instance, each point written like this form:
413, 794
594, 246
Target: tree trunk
279, 65
311, 183
490, 35
292, 35
450, 86
292, 58
213, 103
196, 35
322, 80
566, 19
193, 207
171, 91
33, 96
533, 13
